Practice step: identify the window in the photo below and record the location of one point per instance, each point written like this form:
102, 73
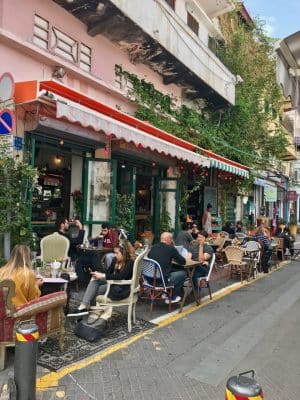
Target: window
41, 32
193, 23
61, 44
171, 3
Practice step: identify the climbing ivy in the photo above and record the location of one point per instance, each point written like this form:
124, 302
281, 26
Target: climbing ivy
240, 132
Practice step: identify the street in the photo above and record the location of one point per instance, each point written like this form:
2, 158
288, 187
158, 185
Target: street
256, 327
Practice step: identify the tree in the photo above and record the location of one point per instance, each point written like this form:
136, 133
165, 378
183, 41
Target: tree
17, 180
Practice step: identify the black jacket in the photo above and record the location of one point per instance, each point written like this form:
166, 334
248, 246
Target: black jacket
119, 292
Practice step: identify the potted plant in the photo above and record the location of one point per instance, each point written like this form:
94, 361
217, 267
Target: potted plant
293, 225
77, 201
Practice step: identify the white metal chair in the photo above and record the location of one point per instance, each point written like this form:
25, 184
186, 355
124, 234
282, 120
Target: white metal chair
203, 282
153, 286
130, 301
252, 255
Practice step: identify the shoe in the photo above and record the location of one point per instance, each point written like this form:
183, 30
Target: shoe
78, 313
164, 296
173, 300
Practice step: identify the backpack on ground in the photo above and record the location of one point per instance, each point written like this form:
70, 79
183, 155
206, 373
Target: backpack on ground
91, 327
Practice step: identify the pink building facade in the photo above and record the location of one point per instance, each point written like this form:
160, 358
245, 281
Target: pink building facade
75, 114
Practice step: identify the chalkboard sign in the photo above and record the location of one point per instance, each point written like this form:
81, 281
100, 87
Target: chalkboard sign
210, 196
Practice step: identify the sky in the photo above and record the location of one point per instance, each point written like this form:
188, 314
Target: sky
282, 17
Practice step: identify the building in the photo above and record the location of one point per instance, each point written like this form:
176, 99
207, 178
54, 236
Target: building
75, 103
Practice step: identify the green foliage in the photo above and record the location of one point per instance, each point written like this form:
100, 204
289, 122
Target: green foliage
124, 207
165, 222
240, 132
293, 220
17, 180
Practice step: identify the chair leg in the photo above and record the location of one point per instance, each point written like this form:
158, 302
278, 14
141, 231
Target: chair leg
2, 357
129, 317
133, 313
209, 291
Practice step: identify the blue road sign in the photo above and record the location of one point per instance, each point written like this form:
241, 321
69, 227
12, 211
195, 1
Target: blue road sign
7, 120
18, 143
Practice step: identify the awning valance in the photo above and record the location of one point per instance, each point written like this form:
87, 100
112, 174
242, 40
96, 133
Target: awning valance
86, 117
224, 164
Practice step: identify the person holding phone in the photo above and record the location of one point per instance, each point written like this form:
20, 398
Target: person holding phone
120, 268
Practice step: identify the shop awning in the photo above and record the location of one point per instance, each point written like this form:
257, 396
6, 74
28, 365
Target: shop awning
224, 164
79, 108
76, 113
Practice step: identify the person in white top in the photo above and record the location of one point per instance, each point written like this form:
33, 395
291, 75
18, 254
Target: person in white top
206, 219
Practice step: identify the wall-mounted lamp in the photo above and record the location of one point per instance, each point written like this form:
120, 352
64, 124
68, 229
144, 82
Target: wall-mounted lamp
57, 160
245, 200
59, 72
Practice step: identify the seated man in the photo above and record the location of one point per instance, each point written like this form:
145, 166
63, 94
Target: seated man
92, 259
164, 253
261, 236
62, 226
184, 237
201, 252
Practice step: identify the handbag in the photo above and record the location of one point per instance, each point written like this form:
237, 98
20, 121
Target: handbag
91, 327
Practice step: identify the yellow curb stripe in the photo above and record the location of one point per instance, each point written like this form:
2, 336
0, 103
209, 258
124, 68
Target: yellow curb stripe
52, 378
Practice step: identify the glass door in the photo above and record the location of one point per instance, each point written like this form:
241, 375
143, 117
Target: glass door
99, 191
166, 206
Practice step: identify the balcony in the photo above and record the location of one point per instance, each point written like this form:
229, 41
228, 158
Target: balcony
155, 35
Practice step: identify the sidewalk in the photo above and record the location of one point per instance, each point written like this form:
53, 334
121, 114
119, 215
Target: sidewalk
219, 281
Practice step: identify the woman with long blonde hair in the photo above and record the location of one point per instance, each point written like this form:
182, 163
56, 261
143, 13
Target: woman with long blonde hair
18, 269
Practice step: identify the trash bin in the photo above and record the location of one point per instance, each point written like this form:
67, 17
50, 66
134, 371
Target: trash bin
242, 387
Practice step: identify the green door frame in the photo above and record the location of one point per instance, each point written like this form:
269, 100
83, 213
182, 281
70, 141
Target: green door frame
156, 219
86, 162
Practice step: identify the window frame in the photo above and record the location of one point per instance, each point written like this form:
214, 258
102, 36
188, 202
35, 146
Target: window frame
192, 23
52, 33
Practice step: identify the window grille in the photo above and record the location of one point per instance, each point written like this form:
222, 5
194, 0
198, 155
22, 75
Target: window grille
61, 44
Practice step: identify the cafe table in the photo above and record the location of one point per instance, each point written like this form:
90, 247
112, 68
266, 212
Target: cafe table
190, 267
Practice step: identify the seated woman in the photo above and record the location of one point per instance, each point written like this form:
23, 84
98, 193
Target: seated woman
120, 268
261, 236
18, 269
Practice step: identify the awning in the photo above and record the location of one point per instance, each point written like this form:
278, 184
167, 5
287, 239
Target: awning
77, 113
224, 164
79, 108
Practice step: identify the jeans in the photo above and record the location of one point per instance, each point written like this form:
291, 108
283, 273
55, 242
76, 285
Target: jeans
199, 273
95, 287
177, 279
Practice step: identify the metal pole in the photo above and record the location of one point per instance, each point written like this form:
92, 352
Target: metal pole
25, 361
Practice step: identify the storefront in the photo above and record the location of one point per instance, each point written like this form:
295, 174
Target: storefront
100, 152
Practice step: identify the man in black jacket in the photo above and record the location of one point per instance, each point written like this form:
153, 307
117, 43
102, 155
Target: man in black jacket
62, 226
164, 253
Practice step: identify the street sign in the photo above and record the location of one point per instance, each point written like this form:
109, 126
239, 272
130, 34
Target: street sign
18, 143
7, 86
7, 122
7, 144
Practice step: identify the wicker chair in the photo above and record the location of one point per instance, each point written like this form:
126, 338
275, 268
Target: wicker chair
235, 262
46, 312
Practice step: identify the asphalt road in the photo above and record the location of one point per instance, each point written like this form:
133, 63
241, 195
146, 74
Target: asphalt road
256, 327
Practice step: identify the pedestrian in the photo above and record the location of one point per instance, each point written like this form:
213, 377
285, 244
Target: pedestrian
206, 219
